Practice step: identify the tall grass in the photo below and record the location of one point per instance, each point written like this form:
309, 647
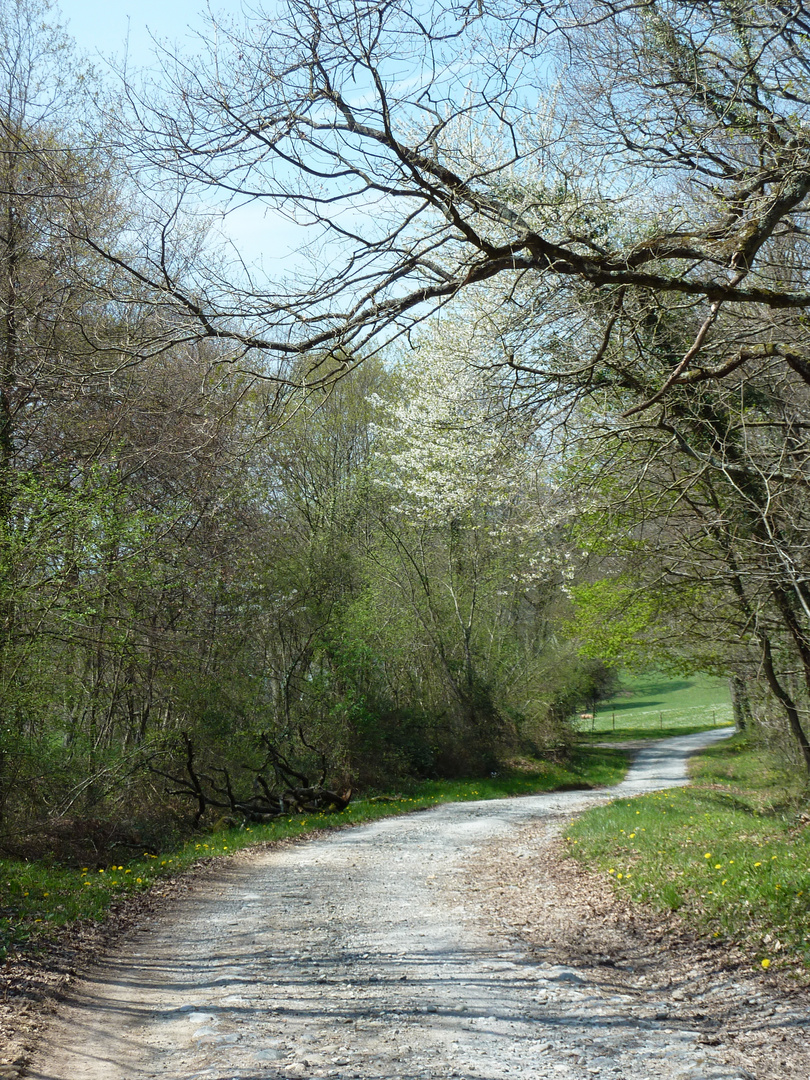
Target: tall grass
731, 853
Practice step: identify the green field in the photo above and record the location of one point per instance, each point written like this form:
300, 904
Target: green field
657, 706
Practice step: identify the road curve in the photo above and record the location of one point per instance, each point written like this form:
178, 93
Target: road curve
347, 956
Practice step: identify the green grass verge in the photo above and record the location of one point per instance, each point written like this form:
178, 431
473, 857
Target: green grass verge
731, 853
37, 898
654, 706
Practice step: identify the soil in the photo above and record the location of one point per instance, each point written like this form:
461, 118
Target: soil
457, 942
758, 1022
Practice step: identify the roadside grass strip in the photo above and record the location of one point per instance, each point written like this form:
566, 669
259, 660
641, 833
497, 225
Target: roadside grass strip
730, 854
38, 898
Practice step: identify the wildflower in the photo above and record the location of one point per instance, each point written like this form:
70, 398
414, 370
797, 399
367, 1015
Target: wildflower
766, 963
708, 855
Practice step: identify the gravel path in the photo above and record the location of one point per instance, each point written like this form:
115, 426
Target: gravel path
365, 953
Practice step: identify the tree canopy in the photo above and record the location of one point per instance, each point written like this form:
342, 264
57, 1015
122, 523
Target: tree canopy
595, 164
531, 397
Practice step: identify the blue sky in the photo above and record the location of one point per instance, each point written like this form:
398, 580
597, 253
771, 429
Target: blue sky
107, 28
102, 26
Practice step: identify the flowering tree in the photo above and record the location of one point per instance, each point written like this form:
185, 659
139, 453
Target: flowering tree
471, 534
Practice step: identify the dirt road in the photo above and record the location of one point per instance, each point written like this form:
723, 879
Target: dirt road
364, 954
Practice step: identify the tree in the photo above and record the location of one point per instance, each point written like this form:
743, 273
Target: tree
587, 159
43, 186
701, 524
469, 563
113, 504
661, 182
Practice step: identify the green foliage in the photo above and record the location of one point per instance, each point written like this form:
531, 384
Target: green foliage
730, 853
612, 620
633, 624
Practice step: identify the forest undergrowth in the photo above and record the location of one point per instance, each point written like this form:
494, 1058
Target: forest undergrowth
40, 897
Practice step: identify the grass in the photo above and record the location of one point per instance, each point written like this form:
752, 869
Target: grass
653, 706
731, 853
37, 898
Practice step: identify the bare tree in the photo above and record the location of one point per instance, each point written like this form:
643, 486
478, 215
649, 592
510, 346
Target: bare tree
699, 510
576, 154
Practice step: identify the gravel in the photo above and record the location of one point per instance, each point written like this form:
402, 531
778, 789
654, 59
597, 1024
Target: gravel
398, 950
